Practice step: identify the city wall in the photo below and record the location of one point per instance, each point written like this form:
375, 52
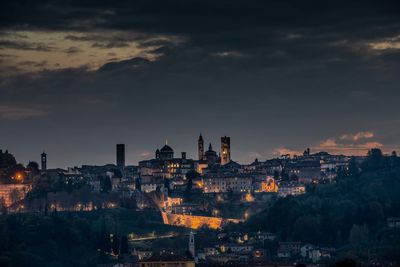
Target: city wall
194, 221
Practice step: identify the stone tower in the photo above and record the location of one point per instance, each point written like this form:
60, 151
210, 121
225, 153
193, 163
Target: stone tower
200, 147
44, 161
121, 156
225, 150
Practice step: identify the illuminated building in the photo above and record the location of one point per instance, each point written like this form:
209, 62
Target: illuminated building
152, 183
12, 193
269, 185
121, 156
223, 184
172, 201
290, 189
225, 150
165, 165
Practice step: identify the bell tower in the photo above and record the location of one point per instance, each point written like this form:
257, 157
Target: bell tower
191, 244
44, 161
225, 150
200, 147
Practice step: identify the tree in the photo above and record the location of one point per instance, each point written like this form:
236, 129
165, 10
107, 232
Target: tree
33, 166
192, 174
124, 248
115, 244
276, 175
306, 229
358, 235
346, 263
3, 206
375, 160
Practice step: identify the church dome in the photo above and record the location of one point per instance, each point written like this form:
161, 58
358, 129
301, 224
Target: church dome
166, 148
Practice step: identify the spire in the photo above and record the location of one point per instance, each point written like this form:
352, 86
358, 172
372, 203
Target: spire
200, 137
166, 141
210, 147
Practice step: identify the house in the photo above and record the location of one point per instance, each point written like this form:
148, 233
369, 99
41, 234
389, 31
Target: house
393, 222
288, 249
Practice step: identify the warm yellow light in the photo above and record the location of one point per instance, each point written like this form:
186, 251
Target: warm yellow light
19, 176
249, 198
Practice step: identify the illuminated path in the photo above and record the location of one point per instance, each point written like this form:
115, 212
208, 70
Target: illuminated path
155, 237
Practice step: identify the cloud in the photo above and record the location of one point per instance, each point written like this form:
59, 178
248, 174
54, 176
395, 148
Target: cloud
328, 143
111, 44
10, 112
350, 144
72, 50
386, 44
357, 136
347, 144
33, 63
22, 45
227, 54
298, 59
124, 64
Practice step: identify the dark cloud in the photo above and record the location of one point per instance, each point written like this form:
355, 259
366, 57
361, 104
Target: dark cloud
33, 63
269, 73
124, 64
21, 45
110, 44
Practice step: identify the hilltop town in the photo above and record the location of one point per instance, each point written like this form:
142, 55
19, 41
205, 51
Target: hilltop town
206, 211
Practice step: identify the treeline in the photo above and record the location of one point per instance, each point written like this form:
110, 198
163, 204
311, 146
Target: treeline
72, 239
47, 240
349, 214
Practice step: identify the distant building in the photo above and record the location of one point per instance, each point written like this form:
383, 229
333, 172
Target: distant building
225, 150
200, 147
285, 190
152, 183
393, 222
165, 153
288, 249
166, 166
121, 156
211, 156
224, 184
44, 161
11, 193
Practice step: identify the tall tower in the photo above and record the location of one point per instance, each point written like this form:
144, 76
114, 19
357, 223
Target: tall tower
225, 150
44, 161
121, 155
200, 147
191, 244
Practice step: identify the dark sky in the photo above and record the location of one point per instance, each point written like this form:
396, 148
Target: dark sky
77, 77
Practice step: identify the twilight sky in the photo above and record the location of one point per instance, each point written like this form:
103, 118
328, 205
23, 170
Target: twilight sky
77, 77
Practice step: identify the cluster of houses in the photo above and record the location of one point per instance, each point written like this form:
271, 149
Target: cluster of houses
242, 249
212, 173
